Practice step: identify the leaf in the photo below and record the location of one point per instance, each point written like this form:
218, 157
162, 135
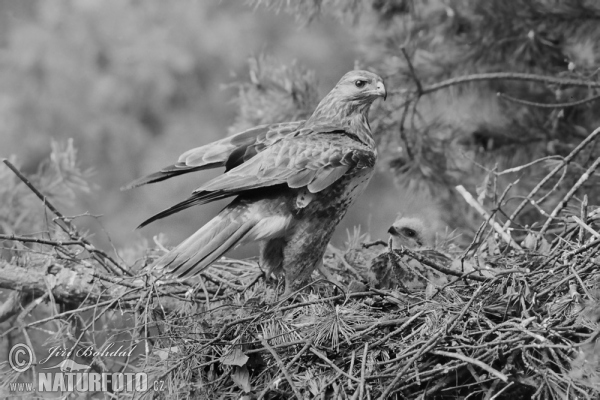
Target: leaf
241, 377
235, 357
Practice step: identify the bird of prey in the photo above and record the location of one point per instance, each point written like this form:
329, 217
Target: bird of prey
411, 232
293, 182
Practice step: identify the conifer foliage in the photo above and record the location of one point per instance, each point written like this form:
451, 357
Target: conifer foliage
500, 99
478, 88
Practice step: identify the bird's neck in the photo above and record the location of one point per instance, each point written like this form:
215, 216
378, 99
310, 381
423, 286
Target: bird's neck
351, 116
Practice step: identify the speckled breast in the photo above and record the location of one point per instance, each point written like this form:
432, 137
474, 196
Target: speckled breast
333, 202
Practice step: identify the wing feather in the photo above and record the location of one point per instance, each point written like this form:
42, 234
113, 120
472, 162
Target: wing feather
326, 176
228, 152
324, 160
335, 156
302, 178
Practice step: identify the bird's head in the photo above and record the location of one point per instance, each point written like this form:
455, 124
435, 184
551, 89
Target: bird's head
350, 98
360, 86
412, 233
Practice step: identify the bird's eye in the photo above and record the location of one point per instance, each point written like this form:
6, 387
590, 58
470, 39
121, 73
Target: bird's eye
360, 83
409, 232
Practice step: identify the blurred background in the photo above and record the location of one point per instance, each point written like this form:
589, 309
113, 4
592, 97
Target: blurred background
96, 93
136, 83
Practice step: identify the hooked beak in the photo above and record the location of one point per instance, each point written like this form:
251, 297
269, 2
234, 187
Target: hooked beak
381, 90
393, 231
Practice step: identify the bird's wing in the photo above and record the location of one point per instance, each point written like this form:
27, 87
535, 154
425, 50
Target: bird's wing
313, 161
228, 152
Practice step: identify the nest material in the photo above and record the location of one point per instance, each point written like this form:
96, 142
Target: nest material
524, 328
520, 322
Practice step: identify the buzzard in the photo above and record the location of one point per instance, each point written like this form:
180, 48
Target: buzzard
415, 233
292, 182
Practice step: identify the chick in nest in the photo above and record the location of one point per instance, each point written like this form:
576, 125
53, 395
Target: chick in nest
390, 270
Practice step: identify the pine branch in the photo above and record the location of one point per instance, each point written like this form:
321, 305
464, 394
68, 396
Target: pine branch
508, 76
545, 105
69, 228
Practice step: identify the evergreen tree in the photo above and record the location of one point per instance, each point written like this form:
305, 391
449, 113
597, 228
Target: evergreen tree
478, 87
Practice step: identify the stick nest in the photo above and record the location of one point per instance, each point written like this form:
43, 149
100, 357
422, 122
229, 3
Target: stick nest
522, 325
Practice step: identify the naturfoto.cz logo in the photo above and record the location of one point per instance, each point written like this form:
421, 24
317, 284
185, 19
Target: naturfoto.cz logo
71, 376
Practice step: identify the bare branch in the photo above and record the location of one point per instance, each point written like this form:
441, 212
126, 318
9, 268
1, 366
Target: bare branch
70, 228
544, 105
508, 76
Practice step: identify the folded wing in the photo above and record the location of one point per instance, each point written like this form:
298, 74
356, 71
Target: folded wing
312, 161
228, 152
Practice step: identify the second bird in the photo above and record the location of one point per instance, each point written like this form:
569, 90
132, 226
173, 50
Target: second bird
293, 184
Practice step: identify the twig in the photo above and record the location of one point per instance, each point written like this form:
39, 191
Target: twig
253, 281
537, 188
350, 368
43, 198
328, 361
502, 76
362, 371
68, 227
400, 374
475, 204
498, 208
277, 346
522, 167
413, 74
11, 305
219, 280
402, 132
26, 239
434, 265
501, 391
429, 345
30, 307
282, 367
379, 324
397, 331
117, 281
288, 366
586, 175
586, 227
583, 248
473, 361
345, 263
583, 215
544, 105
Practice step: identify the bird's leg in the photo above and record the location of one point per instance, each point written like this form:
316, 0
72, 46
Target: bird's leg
271, 256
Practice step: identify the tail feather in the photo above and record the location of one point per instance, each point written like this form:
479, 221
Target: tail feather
195, 199
203, 259
167, 173
208, 244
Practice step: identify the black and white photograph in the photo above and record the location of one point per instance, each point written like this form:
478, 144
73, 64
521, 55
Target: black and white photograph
300, 199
